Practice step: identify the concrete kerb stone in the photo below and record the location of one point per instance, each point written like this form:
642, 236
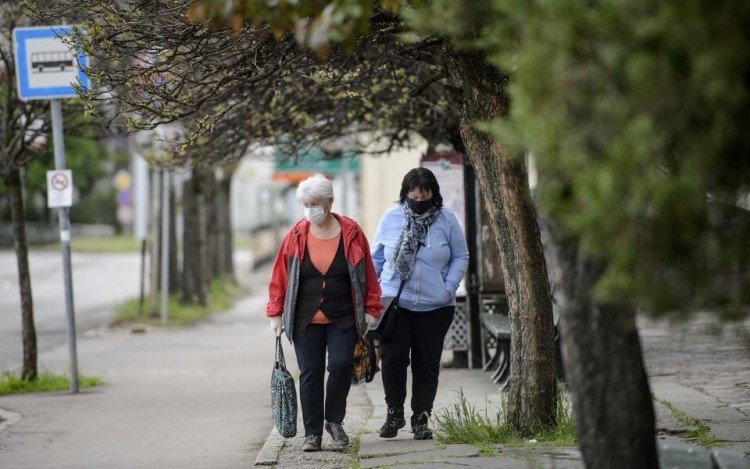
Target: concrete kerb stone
8, 418
285, 452
427, 452
269, 453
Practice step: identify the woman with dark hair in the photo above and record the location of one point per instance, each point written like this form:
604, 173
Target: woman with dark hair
421, 243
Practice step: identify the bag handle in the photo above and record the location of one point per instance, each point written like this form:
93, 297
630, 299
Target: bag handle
280, 362
400, 289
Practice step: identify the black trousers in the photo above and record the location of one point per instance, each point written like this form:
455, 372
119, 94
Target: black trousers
419, 335
310, 349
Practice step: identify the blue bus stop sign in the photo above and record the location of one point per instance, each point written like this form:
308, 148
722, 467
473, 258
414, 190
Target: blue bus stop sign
45, 67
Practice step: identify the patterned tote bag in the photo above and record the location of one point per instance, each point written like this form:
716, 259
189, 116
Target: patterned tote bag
283, 395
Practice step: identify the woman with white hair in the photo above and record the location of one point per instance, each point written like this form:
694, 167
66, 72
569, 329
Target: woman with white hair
324, 295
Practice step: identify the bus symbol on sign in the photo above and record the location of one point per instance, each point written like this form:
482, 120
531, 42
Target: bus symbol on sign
49, 62
52, 61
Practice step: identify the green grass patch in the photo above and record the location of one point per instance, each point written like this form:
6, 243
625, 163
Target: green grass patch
353, 448
242, 242
221, 295
12, 383
463, 423
118, 243
701, 434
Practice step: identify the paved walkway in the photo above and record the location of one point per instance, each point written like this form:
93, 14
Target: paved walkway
698, 367
194, 398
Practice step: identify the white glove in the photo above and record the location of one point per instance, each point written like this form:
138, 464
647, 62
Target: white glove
276, 325
369, 320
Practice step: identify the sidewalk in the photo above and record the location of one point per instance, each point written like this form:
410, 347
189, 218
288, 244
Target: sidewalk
193, 397
198, 398
704, 374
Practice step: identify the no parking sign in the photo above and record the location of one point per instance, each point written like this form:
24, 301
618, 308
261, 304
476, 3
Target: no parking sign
59, 188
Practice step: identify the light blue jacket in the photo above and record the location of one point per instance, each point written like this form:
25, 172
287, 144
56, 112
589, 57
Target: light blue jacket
441, 262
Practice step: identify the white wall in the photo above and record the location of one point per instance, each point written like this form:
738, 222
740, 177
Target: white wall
253, 191
364, 197
380, 180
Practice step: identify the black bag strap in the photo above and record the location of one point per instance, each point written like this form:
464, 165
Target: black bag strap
280, 362
400, 289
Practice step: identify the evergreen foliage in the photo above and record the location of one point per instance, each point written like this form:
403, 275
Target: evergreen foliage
636, 114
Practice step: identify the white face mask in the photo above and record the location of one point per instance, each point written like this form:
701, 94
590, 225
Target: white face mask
315, 215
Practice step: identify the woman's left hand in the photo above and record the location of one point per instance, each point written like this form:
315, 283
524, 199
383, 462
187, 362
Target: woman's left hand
369, 320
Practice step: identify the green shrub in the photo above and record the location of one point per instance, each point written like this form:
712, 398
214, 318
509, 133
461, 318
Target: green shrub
100, 207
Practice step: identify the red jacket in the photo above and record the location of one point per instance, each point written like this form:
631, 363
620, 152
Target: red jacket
282, 290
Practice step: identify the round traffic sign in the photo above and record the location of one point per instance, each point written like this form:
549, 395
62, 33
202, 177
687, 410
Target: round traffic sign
125, 214
122, 180
59, 181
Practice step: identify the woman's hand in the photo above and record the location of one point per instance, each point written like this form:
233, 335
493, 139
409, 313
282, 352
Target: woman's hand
276, 325
369, 320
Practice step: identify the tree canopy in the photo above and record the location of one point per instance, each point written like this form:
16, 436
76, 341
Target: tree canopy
636, 114
159, 62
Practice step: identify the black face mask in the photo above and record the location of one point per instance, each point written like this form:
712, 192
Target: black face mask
419, 207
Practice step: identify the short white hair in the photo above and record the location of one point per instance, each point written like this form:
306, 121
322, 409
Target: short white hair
316, 187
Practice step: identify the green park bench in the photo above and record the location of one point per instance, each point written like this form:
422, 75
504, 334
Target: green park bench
495, 338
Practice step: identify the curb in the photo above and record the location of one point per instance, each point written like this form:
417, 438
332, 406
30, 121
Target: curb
273, 451
269, 453
9, 419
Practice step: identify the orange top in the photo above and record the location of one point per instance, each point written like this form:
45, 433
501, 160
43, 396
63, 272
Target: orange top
322, 252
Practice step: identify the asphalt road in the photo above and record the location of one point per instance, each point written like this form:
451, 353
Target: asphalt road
100, 281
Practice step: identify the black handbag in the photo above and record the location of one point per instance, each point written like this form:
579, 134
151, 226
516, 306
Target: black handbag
382, 328
283, 395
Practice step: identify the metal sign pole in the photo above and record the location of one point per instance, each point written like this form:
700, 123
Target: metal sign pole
59, 147
165, 246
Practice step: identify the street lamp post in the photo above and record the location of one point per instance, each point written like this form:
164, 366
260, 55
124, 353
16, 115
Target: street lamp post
159, 145
168, 136
165, 191
143, 144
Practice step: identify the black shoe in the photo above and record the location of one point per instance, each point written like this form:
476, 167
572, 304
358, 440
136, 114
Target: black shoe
419, 426
338, 435
393, 421
312, 443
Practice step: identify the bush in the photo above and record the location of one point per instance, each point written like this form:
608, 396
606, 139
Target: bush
99, 207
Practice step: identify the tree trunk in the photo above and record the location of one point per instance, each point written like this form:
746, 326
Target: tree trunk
503, 180
604, 369
227, 253
193, 243
15, 196
214, 242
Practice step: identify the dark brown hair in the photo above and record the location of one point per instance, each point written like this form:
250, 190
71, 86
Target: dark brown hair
423, 179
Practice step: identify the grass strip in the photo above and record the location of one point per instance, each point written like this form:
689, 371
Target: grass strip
701, 434
463, 423
12, 383
220, 297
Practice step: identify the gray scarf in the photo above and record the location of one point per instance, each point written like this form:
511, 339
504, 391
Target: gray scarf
413, 232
